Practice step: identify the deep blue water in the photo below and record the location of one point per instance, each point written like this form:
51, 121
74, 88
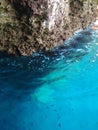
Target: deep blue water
57, 90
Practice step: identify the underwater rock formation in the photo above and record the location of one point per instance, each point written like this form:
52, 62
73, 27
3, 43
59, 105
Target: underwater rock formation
27, 26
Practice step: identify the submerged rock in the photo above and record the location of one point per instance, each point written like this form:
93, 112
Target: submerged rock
27, 26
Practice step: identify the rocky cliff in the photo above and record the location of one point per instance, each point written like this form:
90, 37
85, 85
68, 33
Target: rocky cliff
27, 26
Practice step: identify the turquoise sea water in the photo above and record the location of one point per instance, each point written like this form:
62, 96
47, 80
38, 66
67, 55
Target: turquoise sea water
57, 90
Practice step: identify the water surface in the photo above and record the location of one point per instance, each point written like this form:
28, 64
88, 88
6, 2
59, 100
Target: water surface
57, 90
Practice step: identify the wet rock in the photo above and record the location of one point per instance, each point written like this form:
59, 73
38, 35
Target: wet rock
27, 26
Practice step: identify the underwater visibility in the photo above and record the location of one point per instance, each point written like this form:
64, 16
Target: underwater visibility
54, 90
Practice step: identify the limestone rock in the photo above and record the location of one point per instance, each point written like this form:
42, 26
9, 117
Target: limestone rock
27, 26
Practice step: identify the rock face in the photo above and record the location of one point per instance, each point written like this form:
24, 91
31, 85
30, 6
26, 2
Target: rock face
27, 26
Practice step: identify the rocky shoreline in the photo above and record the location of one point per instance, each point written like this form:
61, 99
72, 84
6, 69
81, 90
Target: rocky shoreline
28, 26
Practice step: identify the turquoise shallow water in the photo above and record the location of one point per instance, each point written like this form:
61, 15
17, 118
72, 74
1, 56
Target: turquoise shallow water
57, 90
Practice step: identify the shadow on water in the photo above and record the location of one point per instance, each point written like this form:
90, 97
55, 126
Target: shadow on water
24, 74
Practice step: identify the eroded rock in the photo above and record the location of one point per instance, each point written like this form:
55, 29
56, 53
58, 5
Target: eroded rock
27, 26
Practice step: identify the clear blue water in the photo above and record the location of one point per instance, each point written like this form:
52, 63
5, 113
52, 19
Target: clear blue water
57, 90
